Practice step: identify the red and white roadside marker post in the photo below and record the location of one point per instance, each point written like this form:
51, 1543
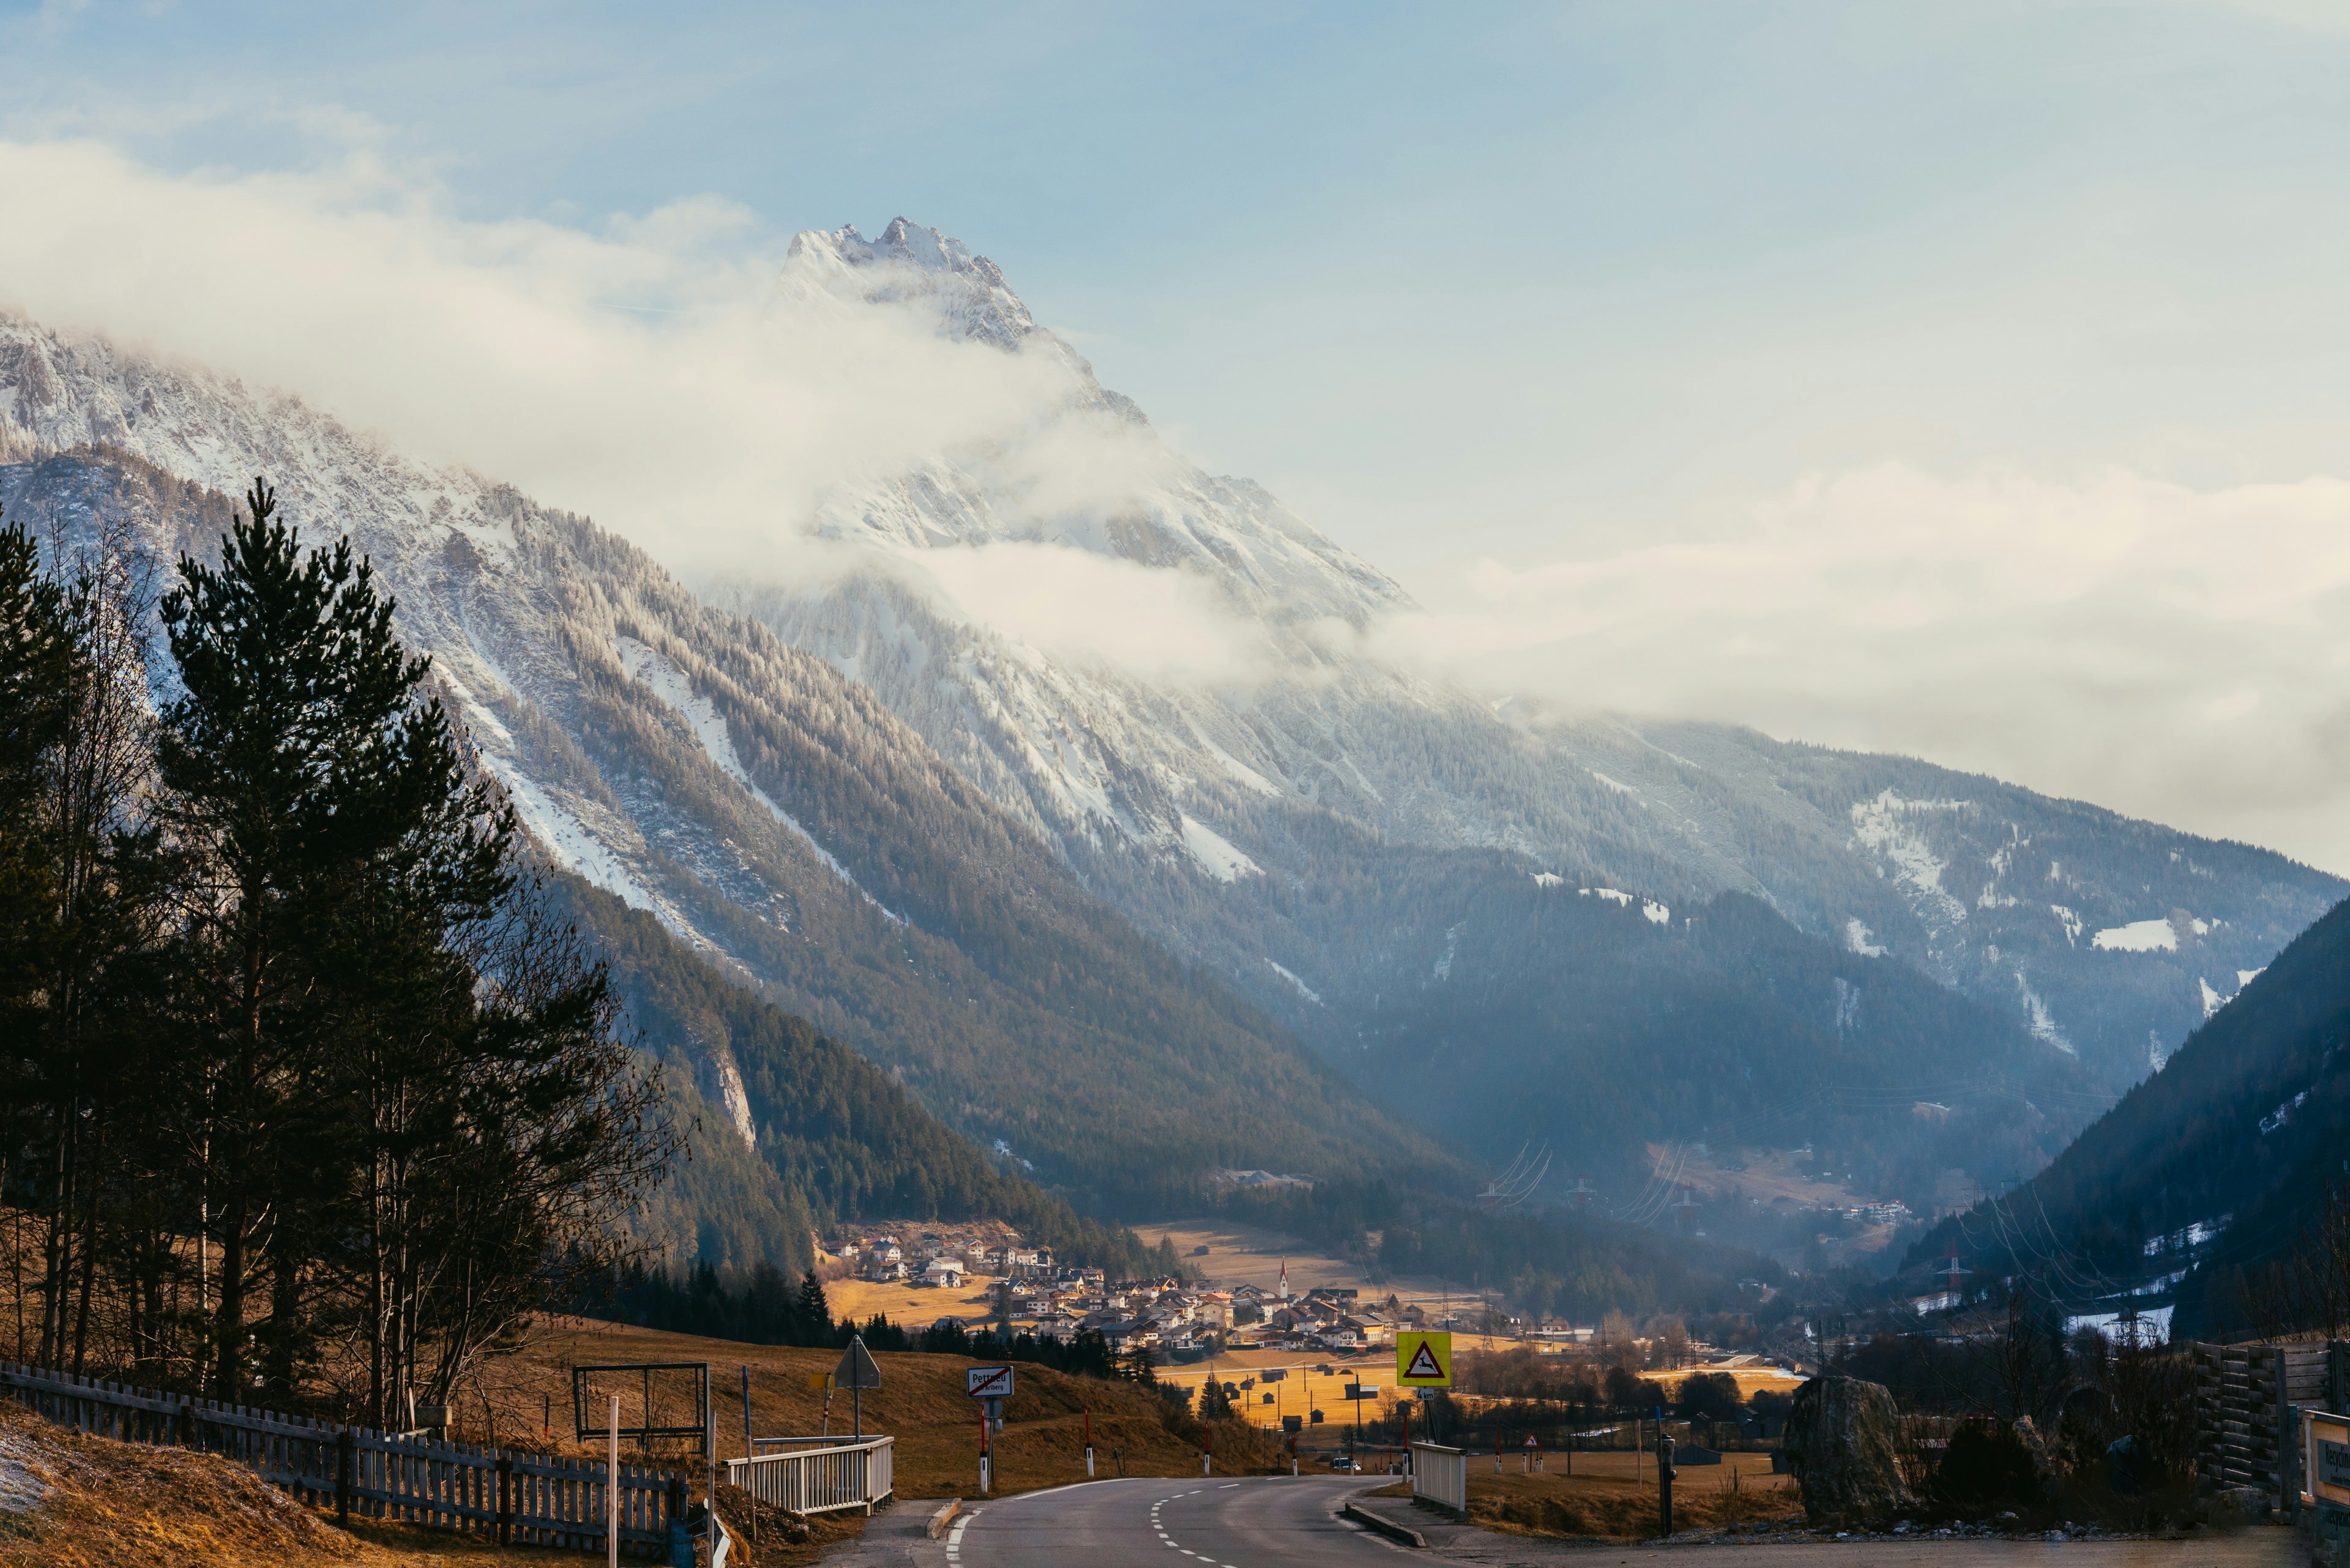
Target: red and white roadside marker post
1089, 1442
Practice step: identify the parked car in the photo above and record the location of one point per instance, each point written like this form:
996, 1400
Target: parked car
1343, 1461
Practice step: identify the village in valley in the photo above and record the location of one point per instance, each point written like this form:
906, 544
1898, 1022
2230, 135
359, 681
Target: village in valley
989, 1277
983, 1276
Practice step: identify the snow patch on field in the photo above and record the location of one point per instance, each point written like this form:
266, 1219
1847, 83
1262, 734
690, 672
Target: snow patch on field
1884, 825
2245, 977
2070, 921
1549, 880
652, 670
2146, 1328
21, 1486
1859, 939
2283, 1114
1216, 855
1658, 914
1847, 1004
2038, 1019
2212, 1000
568, 840
1443, 969
1616, 894
2139, 936
1303, 989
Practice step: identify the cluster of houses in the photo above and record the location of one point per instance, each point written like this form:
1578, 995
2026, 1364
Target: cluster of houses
946, 1256
1181, 1322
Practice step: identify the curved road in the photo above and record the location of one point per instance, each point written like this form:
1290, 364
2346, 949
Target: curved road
1181, 1524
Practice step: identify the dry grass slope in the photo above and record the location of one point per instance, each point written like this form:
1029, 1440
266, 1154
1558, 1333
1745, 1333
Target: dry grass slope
921, 1403
1617, 1507
91, 1502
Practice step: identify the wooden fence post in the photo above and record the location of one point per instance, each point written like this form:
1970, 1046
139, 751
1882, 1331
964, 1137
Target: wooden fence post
344, 1446
505, 1500
2288, 1482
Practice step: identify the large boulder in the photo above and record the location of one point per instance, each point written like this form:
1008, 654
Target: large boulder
1841, 1447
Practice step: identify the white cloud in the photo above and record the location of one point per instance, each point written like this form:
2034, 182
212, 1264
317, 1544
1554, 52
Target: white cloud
1162, 625
651, 373
2170, 652
2174, 653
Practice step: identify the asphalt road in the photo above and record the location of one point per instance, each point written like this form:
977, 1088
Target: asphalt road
1221, 1523
1180, 1524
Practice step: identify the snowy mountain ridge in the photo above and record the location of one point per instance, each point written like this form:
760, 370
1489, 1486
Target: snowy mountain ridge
1128, 775
1248, 819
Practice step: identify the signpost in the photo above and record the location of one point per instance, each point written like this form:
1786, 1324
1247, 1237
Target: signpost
857, 1372
1358, 1392
992, 1386
2329, 1455
1424, 1360
2325, 1467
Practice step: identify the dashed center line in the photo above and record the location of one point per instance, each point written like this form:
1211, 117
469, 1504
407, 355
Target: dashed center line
1167, 1540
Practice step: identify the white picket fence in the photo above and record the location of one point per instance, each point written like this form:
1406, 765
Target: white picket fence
818, 1475
1440, 1475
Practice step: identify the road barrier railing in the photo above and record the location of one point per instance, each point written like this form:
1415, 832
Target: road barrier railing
1440, 1475
528, 1499
818, 1475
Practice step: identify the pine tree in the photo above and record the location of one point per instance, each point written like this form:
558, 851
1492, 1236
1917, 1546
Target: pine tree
406, 1079
814, 1311
37, 662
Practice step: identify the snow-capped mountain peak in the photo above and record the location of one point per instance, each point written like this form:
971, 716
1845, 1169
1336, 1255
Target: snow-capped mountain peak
913, 264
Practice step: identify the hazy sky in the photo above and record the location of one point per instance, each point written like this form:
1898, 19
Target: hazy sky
1963, 379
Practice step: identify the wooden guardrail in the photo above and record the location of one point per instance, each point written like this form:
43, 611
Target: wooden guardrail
2245, 1400
524, 1497
812, 1475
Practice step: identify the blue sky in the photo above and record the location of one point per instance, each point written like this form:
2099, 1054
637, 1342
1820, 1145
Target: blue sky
1572, 306
1435, 271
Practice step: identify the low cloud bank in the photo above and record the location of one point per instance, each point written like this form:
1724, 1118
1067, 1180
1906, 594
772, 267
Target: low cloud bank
2172, 653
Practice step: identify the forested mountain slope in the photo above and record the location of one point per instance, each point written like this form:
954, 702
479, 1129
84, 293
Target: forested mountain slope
914, 829
2217, 1162
766, 809
1205, 806
1563, 1018
831, 1138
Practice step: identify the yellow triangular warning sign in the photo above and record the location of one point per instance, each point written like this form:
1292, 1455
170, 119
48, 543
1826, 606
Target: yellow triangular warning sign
1424, 1363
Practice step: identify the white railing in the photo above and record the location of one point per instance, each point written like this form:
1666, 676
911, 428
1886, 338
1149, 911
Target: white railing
817, 1479
1440, 1475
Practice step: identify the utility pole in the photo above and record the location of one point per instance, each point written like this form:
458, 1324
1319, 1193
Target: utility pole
1665, 1481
